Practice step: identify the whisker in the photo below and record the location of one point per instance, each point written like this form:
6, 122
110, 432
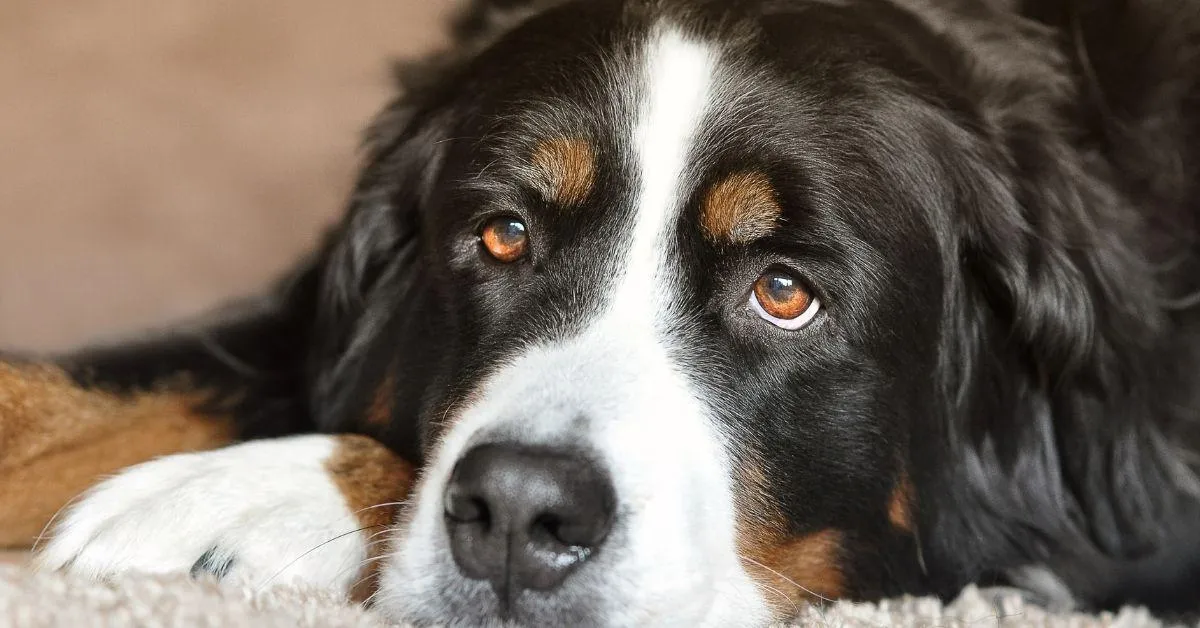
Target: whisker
786, 598
383, 505
367, 576
816, 607
446, 413
222, 355
451, 139
371, 598
789, 580
361, 564
371, 544
796, 609
285, 567
46, 528
380, 533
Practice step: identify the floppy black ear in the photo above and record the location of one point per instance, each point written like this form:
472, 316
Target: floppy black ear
404, 149
372, 267
370, 263
1071, 329
381, 220
1055, 253
1060, 416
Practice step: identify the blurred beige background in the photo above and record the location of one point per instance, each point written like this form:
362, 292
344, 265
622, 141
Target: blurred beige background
158, 157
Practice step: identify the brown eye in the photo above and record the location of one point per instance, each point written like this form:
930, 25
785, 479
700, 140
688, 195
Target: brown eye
505, 239
783, 300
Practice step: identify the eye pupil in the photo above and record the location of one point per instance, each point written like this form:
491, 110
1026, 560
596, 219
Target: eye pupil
780, 287
505, 239
511, 230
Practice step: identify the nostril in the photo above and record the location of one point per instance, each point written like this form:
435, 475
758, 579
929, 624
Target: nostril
580, 532
466, 509
545, 529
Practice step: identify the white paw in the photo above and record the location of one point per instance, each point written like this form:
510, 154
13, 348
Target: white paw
259, 513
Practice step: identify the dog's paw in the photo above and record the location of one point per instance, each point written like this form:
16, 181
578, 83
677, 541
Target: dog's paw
260, 513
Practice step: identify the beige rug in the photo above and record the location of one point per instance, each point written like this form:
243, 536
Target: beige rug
29, 600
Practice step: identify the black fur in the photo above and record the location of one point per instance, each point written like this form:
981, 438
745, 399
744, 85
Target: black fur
1001, 200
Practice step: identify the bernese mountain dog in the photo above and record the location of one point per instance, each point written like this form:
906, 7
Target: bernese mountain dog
686, 313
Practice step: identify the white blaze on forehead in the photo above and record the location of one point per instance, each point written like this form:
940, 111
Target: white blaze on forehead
674, 97
661, 446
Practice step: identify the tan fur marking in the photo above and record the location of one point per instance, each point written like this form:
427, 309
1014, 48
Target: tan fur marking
374, 481
568, 166
379, 414
794, 570
900, 505
740, 208
811, 561
790, 570
57, 440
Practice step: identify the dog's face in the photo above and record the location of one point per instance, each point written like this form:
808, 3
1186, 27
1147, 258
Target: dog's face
678, 294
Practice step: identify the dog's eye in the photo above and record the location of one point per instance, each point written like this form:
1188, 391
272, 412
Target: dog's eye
783, 300
505, 239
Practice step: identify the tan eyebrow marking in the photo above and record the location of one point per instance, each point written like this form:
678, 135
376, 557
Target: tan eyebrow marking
568, 166
740, 208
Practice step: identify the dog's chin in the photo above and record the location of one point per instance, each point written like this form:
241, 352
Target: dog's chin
446, 598
652, 570
420, 584
459, 601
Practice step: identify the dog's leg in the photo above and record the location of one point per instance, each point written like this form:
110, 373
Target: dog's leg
57, 439
67, 422
308, 510
301, 509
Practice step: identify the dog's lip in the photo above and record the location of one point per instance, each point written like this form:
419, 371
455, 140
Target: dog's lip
495, 613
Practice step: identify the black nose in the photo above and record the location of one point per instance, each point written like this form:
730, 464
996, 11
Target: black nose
523, 518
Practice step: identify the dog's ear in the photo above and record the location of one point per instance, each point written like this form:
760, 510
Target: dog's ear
371, 261
1071, 322
1044, 231
1056, 335
1049, 247
382, 219
403, 151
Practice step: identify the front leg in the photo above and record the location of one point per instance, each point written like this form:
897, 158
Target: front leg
303, 510
66, 422
57, 438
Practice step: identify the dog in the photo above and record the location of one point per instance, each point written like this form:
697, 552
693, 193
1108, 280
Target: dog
687, 313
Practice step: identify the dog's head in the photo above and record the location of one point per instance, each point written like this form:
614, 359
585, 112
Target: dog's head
678, 301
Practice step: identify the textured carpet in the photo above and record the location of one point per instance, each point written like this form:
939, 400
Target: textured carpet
28, 599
